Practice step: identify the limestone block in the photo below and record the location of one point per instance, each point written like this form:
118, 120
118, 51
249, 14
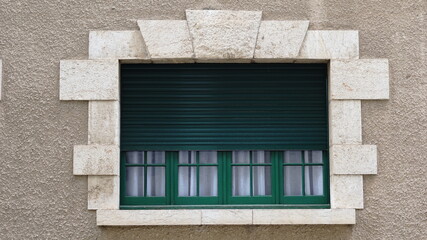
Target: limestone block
304, 216
167, 39
103, 192
227, 217
223, 34
148, 217
117, 45
104, 127
359, 79
320, 44
89, 80
354, 159
346, 191
96, 160
280, 39
345, 122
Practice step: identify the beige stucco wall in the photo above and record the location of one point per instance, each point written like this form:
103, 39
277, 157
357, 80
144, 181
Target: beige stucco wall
40, 197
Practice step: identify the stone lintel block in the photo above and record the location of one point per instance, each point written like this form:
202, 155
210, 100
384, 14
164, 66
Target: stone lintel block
280, 39
148, 217
227, 217
346, 191
221, 34
354, 159
89, 80
303, 216
117, 45
359, 79
167, 39
103, 192
345, 122
96, 160
336, 44
104, 127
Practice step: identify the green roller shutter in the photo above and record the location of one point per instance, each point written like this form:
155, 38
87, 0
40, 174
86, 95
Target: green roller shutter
224, 106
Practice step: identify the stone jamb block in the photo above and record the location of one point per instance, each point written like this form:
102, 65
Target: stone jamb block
117, 45
148, 217
354, 159
103, 125
280, 39
345, 122
89, 80
103, 192
167, 40
335, 44
226, 217
303, 216
223, 34
96, 160
346, 191
359, 79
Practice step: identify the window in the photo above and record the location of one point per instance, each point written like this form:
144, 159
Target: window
224, 135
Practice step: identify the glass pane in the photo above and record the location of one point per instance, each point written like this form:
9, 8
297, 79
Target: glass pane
155, 181
241, 181
241, 157
135, 157
314, 180
261, 177
187, 181
207, 157
135, 181
155, 157
208, 181
187, 157
313, 156
293, 157
293, 180
261, 157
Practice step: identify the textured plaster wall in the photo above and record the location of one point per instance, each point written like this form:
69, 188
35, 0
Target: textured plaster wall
40, 197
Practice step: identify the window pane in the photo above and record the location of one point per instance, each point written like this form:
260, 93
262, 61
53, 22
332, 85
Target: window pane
261, 180
135, 157
208, 181
155, 181
313, 156
207, 157
187, 157
293, 180
241, 181
155, 157
187, 185
293, 157
241, 157
135, 181
261, 157
314, 180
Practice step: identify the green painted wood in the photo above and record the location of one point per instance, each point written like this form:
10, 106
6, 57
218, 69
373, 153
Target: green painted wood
223, 106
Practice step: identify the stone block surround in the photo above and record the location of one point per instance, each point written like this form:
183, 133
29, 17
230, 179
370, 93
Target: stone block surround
225, 36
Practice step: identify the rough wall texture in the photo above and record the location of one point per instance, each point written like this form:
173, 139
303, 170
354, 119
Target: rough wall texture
40, 197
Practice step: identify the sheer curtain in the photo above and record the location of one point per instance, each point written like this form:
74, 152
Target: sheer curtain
207, 177
135, 175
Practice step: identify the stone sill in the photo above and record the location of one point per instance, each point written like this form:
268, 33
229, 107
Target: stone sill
225, 217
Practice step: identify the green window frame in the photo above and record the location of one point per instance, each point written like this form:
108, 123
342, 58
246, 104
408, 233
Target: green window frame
225, 198
224, 108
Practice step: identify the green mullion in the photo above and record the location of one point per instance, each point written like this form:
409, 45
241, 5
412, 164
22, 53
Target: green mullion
197, 174
303, 173
145, 165
145, 174
299, 164
251, 174
195, 165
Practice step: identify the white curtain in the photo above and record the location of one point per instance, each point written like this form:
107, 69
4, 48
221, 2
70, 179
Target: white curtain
155, 175
187, 175
313, 174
